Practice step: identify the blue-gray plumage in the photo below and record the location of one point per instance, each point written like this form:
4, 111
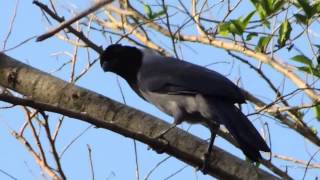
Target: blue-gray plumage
187, 92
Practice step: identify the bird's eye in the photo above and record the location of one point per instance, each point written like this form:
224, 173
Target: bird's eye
105, 66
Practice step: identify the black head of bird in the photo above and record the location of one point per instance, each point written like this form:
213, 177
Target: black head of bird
122, 60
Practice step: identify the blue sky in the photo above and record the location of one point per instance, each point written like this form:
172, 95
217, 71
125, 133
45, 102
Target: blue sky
113, 154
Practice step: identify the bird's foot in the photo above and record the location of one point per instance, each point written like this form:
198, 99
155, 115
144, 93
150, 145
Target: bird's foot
160, 135
162, 143
205, 163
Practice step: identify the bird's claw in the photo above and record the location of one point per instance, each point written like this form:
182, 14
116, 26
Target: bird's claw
205, 163
160, 136
162, 143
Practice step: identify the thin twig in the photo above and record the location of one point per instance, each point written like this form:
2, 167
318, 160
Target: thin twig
7, 174
90, 161
155, 167
57, 128
72, 20
74, 140
80, 35
86, 69
173, 41
296, 161
136, 160
19, 44
11, 25
36, 136
307, 167
175, 173
52, 145
73, 62
38, 160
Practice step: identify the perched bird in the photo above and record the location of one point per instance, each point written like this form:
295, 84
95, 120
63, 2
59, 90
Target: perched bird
187, 92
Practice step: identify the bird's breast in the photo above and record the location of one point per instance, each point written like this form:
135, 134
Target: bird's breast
171, 103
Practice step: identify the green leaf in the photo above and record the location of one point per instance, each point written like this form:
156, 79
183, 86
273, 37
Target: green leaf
316, 72
148, 11
305, 69
284, 33
317, 112
301, 19
223, 29
302, 59
152, 15
305, 5
247, 19
277, 5
263, 43
262, 12
266, 24
158, 14
318, 56
317, 7
266, 8
310, 70
236, 27
265, 5
251, 35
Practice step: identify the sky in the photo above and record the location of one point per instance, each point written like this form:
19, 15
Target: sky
113, 154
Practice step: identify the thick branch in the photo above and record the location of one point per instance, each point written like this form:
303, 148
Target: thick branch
48, 93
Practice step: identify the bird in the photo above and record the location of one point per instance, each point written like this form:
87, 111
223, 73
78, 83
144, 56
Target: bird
187, 92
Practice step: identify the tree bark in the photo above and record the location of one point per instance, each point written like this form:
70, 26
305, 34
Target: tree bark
48, 93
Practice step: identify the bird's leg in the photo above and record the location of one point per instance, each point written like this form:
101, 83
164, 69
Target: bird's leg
161, 134
213, 129
177, 120
178, 117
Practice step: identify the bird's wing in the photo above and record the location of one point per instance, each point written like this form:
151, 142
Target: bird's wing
172, 76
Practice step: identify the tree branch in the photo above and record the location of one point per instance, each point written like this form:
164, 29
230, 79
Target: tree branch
72, 20
80, 35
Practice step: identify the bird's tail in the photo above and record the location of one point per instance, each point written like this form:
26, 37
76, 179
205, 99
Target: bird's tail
240, 127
